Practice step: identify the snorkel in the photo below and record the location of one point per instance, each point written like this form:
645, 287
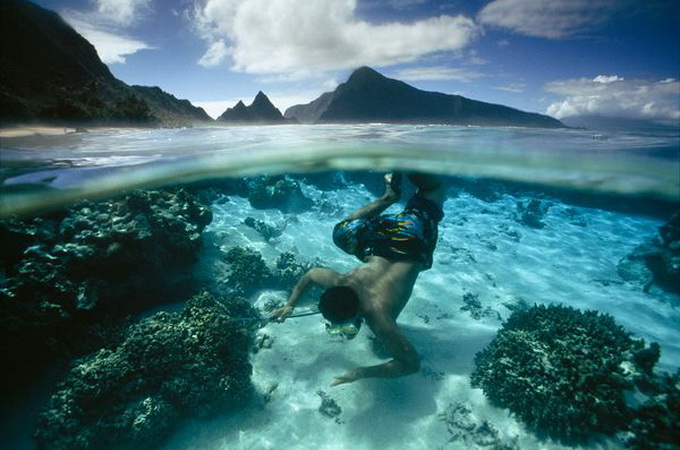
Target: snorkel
340, 307
347, 329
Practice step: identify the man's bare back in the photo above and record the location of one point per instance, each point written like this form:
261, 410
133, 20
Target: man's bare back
383, 287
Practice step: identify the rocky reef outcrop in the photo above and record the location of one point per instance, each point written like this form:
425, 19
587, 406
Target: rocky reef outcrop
249, 273
656, 263
68, 269
567, 375
278, 192
170, 366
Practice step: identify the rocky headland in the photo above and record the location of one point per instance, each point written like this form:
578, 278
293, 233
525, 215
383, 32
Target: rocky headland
368, 96
50, 73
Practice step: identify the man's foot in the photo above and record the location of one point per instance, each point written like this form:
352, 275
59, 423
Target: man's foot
393, 186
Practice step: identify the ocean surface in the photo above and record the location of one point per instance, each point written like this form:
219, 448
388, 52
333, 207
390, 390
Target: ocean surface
607, 192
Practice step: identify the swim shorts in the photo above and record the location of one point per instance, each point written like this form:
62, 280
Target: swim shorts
410, 235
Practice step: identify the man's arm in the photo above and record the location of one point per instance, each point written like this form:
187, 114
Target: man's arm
323, 277
406, 360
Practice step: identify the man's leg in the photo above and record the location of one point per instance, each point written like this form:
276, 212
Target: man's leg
391, 196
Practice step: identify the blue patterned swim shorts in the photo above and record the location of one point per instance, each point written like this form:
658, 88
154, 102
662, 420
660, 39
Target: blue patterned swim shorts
410, 235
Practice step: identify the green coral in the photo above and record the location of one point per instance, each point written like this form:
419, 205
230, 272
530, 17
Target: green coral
250, 273
278, 192
561, 371
288, 270
655, 424
88, 264
170, 366
267, 231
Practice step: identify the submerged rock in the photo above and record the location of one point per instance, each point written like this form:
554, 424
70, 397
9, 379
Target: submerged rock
89, 263
657, 262
329, 407
170, 366
564, 373
250, 273
267, 231
532, 213
279, 193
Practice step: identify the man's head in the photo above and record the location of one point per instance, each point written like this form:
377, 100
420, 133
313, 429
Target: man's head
339, 304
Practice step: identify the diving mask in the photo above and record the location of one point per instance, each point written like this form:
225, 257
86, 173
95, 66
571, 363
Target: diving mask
347, 329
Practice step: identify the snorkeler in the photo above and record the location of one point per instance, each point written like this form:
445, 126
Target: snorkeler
394, 249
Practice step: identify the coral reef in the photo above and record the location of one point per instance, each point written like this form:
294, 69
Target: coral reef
250, 273
89, 263
655, 424
532, 213
278, 193
466, 432
267, 231
475, 308
170, 366
657, 262
248, 270
563, 372
329, 407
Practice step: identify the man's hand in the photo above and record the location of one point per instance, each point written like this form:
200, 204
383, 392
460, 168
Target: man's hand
349, 377
280, 314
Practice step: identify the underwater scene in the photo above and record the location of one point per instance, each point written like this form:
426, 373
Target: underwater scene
160, 289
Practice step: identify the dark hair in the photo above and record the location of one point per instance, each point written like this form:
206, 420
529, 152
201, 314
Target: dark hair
339, 303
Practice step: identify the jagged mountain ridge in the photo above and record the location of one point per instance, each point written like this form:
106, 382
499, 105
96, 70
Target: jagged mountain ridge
369, 96
262, 110
50, 72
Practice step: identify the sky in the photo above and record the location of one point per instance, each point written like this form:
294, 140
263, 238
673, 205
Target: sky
616, 58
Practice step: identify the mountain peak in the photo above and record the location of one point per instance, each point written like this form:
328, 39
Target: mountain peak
363, 74
261, 110
261, 96
368, 96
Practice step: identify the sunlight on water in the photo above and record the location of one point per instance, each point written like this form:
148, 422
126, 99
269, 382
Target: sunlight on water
47, 171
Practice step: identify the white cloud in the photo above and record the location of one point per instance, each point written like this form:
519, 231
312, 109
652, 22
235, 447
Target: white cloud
512, 87
105, 27
112, 46
607, 79
552, 19
305, 37
123, 12
613, 96
437, 73
216, 54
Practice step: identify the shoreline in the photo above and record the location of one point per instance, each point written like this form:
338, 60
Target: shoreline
14, 131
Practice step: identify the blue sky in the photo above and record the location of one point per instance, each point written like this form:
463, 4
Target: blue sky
561, 57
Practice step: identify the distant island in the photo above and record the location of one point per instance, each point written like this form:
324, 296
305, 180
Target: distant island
261, 111
50, 73
368, 96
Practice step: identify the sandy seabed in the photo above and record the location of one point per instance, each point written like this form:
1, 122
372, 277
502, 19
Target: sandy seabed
483, 250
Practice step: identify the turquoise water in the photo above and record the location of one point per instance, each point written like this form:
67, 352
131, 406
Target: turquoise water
604, 192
